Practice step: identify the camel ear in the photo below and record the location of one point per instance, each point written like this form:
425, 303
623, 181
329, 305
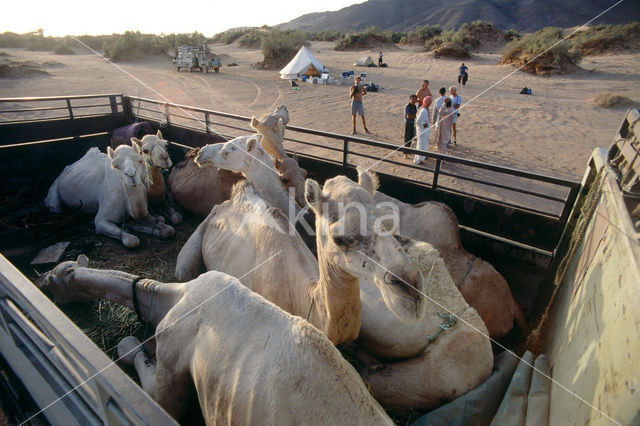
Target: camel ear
159, 134
110, 152
136, 140
251, 144
368, 180
83, 260
136, 146
313, 195
254, 123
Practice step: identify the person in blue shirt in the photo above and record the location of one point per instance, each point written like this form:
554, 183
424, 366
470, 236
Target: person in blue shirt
410, 111
463, 76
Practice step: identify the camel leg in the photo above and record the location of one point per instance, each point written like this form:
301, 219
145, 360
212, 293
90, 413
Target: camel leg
190, 262
110, 229
129, 352
163, 382
153, 226
173, 216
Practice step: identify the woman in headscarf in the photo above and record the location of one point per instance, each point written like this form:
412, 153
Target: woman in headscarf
443, 133
422, 128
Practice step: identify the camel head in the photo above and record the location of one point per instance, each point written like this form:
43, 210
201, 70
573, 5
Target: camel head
129, 163
59, 281
354, 243
292, 176
154, 149
242, 154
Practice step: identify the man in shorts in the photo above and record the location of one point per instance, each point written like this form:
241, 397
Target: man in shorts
356, 92
423, 91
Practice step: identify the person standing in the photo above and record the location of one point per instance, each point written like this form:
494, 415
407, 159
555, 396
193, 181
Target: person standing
380, 59
423, 91
456, 100
410, 111
445, 120
436, 106
356, 92
422, 129
463, 76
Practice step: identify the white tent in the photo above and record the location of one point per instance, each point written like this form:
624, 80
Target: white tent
304, 63
364, 62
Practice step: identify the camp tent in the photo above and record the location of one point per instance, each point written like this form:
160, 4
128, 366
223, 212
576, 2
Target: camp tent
304, 63
364, 62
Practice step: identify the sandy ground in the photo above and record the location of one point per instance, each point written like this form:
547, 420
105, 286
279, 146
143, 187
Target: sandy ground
552, 131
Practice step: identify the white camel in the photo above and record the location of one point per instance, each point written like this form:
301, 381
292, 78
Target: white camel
225, 348
271, 127
484, 288
111, 187
462, 359
154, 150
246, 155
243, 233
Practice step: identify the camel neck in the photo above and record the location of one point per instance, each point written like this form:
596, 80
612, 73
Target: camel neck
155, 183
336, 303
116, 287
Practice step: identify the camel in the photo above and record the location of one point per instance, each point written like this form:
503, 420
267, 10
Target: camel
271, 127
225, 348
111, 187
154, 150
198, 189
245, 225
422, 363
243, 233
484, 288
246, 155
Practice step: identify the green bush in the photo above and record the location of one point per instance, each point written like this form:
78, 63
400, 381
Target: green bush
279, 47
548, 40
62, 48
325, 36
130, 44
605, 37
426, 32
252, 38
512, 35
229, 36
12, 40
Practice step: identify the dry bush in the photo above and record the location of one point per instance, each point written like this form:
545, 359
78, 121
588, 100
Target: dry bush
609, 100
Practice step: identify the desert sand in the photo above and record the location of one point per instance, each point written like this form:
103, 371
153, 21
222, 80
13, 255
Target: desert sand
553, 131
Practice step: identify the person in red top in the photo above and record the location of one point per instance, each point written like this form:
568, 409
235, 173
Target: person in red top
356, 92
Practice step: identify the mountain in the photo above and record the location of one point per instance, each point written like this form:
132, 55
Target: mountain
520, 15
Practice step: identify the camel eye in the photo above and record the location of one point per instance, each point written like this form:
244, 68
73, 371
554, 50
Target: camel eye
341, 241
146, 151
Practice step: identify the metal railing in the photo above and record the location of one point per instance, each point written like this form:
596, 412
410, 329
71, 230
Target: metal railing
533, 192
16, 110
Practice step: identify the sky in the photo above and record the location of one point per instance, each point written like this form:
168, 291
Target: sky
75, 17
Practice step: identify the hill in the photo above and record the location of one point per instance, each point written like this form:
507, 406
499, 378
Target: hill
521, 15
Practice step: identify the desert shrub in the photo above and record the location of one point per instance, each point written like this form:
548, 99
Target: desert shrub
12, 40
600, 38
394, 36
544, 52
252, 38
512, 34
94, 42
229, 36
63, 48
468, 47
609, 100
549, 40
404, 40
191, 39
279, 47
425, 32
325, 36
130, 44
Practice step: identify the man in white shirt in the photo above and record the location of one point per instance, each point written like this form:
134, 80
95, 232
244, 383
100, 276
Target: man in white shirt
437, 105
456, 100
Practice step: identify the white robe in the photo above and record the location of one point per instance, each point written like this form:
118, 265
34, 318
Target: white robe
422, 134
